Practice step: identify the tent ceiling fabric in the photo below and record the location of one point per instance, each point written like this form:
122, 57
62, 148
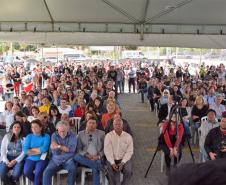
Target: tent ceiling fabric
190, 23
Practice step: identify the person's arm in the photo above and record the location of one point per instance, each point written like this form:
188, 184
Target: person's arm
27, 144
80, 148
193, 113
166, 135
209, 143
129, 151
5, 142
101, 152
127, 127
45, 147
108, 149
72, 144
54, 144
22, 154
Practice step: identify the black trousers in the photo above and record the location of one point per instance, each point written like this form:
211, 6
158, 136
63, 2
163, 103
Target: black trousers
152, 103
132, 82
166, 151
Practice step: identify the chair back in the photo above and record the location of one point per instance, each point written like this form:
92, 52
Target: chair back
76, 122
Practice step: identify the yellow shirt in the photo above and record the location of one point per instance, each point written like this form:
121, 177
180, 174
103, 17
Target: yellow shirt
44, 108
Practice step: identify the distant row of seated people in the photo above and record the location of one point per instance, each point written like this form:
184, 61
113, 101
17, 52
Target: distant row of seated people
40, 155
192, 115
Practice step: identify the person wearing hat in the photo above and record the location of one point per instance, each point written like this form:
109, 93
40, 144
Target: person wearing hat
204, 129
12, 154
215, 143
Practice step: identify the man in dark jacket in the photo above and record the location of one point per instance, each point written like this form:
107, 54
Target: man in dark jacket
109, 127
165, 109
215, 143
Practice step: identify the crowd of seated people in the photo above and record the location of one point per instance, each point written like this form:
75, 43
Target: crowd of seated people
40, 138
199, 103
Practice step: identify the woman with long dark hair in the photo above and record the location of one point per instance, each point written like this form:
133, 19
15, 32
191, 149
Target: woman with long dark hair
172, 135
54, 115
12, 154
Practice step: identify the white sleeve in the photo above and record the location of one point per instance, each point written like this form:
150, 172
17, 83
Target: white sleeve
5, 142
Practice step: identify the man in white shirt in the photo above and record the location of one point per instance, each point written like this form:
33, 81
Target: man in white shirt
118, 149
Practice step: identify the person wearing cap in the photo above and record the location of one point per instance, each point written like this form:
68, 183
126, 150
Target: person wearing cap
215, 142
204, 129
217, 106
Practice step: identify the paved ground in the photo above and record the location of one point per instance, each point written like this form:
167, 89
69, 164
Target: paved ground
145, 134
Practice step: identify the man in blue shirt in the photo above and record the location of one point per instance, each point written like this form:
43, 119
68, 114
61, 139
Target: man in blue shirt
63, 146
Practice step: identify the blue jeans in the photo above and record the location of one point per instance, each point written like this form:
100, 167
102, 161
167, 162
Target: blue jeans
119, 86
16, 173
52, 169
33, 170
187, 127
94, 165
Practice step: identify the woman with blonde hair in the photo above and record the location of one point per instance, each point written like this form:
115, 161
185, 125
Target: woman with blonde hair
199, 110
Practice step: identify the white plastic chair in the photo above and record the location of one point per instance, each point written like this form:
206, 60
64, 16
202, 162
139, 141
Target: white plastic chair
202, 156
195, 132
204, 119
89, 170
162, 162
27, 181
76, 121
156, 109
61, 172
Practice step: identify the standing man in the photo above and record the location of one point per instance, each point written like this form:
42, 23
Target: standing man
118, 149
112, 75
90, 148
63, 145
120, 79
132, 79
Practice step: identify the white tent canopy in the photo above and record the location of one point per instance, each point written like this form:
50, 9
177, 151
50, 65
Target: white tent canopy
181, 23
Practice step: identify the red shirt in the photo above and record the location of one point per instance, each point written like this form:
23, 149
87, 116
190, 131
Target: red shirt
172, 131
79, 112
